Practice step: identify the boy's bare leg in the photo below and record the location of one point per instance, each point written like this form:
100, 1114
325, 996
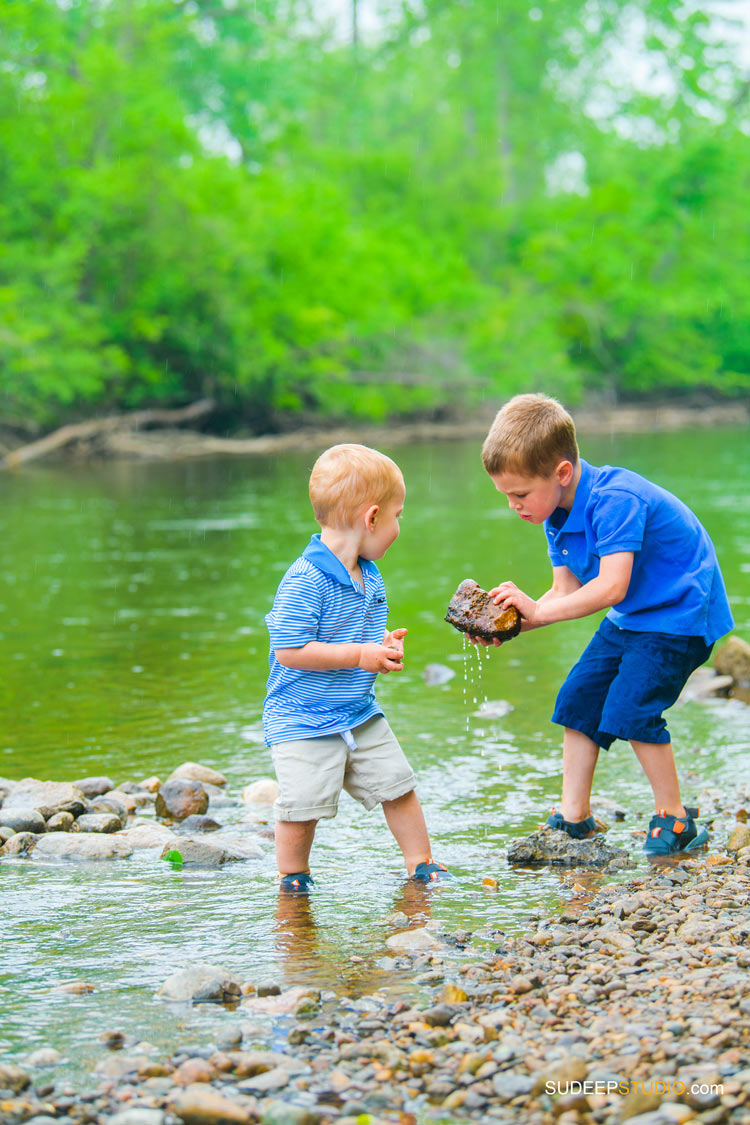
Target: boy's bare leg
294, 839
580, 755
406, 821
657, 761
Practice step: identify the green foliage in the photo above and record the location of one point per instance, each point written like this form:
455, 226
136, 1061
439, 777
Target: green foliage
214, 198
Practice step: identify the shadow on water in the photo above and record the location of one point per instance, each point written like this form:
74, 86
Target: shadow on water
132, 639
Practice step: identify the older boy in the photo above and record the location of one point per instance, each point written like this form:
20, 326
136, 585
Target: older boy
329, 640
618, 542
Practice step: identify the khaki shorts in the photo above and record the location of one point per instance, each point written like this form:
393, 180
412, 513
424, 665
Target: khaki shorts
367, 762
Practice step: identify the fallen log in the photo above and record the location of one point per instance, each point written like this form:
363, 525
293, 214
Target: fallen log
83, 431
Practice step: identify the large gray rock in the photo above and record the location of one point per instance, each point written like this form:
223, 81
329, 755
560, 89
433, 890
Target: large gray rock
47, 797
81, 846
200, 982
418, 940
558, 849
94, 786
179, 799
99, 822
22, 820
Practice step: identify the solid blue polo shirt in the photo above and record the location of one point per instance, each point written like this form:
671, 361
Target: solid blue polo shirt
676, 585
318, 600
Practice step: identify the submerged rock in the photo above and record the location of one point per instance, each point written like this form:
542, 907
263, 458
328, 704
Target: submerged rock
200, 982
81, 846
436, 674
558, 849
471, 610
208, 853
417, 940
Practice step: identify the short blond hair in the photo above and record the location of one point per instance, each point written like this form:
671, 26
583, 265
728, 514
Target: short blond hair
530, 436
346, 477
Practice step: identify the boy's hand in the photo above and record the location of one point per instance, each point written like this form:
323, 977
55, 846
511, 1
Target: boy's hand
508, 594
395, 639
382, 658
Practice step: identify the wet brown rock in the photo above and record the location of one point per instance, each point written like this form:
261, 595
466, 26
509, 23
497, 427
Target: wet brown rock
739, 838
179, 799
471, 610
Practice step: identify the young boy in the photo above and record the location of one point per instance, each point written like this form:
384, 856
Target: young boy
616, 541
329, 640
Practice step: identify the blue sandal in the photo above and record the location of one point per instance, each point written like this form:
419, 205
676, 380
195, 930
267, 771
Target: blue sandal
431, 872
671, 835
576, 829
298, 884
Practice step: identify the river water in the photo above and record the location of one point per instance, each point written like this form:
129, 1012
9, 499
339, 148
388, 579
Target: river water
132, 639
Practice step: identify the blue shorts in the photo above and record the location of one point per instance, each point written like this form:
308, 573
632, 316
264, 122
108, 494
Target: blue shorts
623, 682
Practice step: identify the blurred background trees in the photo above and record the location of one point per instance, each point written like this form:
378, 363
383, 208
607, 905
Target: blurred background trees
234, 198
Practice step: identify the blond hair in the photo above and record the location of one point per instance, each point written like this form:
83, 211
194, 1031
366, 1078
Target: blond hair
530, 436
346, 477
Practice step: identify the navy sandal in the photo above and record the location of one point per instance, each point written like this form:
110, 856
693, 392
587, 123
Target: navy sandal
671, 835
576, 829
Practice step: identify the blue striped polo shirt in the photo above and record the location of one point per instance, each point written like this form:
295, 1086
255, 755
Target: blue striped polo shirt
676, 585
318, 600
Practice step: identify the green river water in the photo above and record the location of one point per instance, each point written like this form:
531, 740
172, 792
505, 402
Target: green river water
132, 639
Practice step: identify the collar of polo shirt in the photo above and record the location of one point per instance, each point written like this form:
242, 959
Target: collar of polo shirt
324, 559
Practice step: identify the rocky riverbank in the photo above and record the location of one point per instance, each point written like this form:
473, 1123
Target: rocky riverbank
632, 1005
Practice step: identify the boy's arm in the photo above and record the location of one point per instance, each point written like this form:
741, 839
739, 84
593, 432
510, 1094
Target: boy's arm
319, 656
564, 602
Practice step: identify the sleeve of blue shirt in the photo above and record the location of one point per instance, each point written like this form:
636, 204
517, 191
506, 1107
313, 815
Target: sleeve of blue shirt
297, 610
618, 520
